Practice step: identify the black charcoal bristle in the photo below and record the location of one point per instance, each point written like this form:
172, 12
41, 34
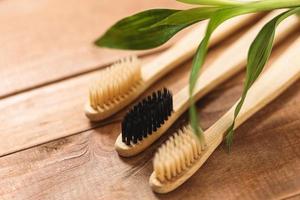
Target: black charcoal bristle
147, 116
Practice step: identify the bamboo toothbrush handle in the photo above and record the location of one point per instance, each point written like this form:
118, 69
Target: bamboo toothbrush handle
234, 58
283, 73
187, 46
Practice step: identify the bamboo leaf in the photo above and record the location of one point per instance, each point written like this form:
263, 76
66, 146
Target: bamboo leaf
187, 16
151, 28
121, 34
258, 55
216, 20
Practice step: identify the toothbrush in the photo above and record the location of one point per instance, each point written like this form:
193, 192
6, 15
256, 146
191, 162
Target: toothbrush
181, 156
127, 79
141, 126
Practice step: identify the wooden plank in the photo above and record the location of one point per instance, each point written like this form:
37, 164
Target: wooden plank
50, 40
56, 110
264, 163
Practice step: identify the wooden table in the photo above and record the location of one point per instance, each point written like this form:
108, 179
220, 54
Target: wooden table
47, 61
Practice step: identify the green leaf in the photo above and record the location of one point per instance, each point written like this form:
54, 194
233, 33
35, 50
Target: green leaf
216, 20
194, 124
187, 16
151, 28
212, 2
258, 56
121, 34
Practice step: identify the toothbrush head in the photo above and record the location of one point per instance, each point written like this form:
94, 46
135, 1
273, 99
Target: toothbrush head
116, 86
177, 160
147, 116
176, 154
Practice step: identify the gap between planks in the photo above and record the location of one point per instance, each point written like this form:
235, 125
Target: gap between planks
86, 166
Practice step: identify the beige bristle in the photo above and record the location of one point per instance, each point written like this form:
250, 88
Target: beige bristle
115, 82
176, 154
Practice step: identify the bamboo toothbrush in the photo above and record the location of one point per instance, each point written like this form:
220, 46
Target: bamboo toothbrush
181, 156
127, 79
150, 118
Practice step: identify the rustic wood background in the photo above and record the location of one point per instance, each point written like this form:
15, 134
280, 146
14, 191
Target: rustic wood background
47, 61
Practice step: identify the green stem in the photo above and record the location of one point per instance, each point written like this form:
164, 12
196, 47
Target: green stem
272, 4
265, 5
214, 2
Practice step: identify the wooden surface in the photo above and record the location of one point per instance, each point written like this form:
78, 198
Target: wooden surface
51, 40
71, 59
45, 77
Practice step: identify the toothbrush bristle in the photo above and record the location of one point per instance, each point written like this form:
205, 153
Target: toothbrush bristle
115, 83
177, 154
147, 116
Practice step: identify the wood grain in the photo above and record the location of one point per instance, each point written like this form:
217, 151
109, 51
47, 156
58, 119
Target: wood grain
50, 40
44, 88
264, 163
